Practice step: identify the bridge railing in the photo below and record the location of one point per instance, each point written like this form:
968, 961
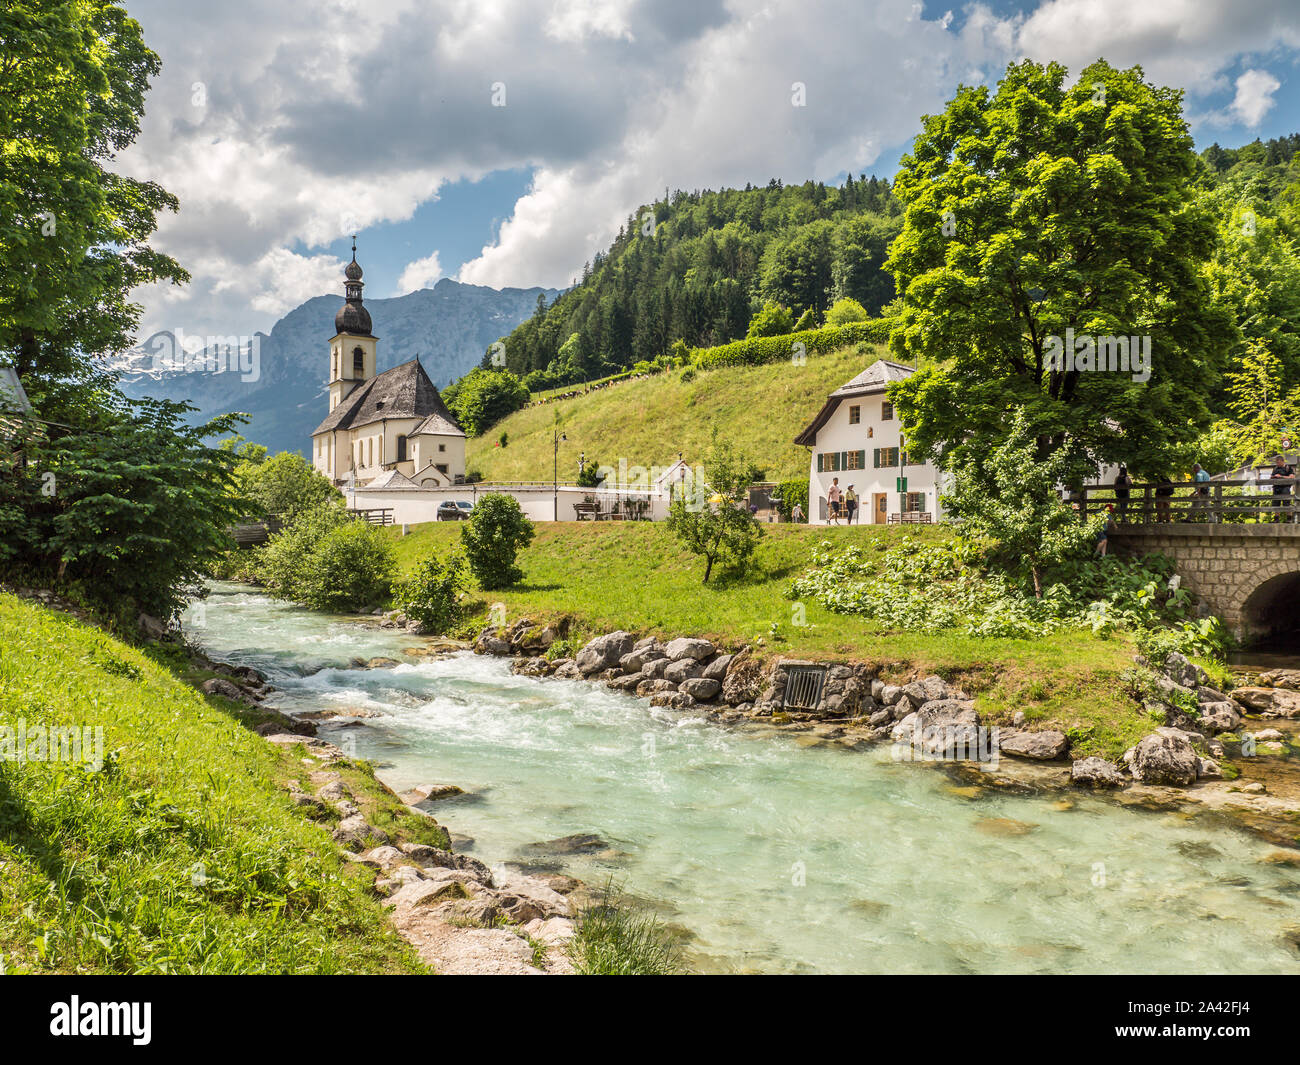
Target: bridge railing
1250, 500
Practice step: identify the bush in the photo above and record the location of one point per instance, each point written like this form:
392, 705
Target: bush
328, 560
483, 397
282, 486
844, 311
791, 492
492, 537
807, 321
772, 320
431, 593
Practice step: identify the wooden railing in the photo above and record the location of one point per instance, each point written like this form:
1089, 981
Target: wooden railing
1183, 501
377, 516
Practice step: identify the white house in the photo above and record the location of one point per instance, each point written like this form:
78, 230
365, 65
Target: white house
857, 441
382, 425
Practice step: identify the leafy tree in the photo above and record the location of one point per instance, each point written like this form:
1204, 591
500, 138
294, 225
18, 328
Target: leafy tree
716, 523
431, 594
844, 311
773, 320
281, 486
483, 397
492, 536
1040, 208
73, 75
1265, 415
797, 270
128, 515
1009, 504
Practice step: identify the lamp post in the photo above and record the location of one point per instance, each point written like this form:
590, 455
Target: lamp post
556, 438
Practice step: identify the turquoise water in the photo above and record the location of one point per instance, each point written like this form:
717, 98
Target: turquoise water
776, 857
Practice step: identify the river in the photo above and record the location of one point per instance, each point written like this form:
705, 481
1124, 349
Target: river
778, 857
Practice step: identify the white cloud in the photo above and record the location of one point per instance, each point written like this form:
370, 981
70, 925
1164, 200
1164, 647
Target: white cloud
422, 273
314, 127
1254, 99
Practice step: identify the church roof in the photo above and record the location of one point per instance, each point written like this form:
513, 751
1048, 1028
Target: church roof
403, 392
392, 479
875, 378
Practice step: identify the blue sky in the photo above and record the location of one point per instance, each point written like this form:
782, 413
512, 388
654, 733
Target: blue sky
504, 142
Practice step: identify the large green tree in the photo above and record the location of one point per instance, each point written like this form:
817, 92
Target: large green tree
1042, 207
73, 234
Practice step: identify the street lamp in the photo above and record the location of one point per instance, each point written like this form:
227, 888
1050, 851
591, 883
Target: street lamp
556, 438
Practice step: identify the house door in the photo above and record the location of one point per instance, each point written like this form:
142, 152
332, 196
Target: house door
880, 508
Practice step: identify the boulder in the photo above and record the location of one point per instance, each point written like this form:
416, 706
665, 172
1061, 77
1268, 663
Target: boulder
701, 688
682, 669
566, 669
626, 683
673, 700
604, 652
434, 858
383, 857
688, 647
717, 669
1180, 670
430, 793
1165, 757
1208, 769
524, 899
1044, 746
649, 643
227, 690
889, 694
354, 831
1219, 717
927, 690
1271, 702
649, 687
880, 718
490, 643
946, 727
1096, 772
1281, 678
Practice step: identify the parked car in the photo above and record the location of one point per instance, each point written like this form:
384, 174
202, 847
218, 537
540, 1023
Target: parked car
457, 511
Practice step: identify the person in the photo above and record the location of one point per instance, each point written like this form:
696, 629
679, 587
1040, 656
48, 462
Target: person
1103, 534
1164, 491
796, 515
851, 503
1200, 494
833, 496
1123, 486
1283, 477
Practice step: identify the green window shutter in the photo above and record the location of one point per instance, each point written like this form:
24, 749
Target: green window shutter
862, 460
844, 460
819, 462
875, 457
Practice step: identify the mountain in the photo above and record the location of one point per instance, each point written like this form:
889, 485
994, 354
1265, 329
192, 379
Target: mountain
448, 326
696, 266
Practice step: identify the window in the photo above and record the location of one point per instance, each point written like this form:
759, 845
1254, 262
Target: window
442, 447
886, 457
835, 461
886, 411
855, 415
401, 449
915, 502
855, 460
440, 468
358, 360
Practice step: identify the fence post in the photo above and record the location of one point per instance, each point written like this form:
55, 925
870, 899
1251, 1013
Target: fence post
1146, 505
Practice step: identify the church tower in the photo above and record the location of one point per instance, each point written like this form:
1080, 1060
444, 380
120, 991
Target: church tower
352, 351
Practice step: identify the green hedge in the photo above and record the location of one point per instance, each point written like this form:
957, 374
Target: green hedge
761, 350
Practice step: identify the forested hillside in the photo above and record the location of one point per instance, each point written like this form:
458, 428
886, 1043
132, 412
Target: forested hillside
696, 266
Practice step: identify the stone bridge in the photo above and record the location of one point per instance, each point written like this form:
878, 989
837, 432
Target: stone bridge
1247, 574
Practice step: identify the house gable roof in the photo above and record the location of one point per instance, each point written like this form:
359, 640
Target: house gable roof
871, 381
405, 391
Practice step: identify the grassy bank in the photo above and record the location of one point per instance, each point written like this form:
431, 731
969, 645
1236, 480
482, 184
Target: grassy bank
183, 853
633, 575
649, 420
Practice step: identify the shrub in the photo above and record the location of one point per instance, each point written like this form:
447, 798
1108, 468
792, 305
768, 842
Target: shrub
844, 311
483, 397
328, 560
806, 321
789, 493
431, 593
772, 320
492, 537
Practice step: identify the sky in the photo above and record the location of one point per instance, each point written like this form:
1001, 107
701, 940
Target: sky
503, 142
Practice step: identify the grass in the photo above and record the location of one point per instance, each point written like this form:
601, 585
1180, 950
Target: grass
633, 575
183, 854
759, 409
614, 939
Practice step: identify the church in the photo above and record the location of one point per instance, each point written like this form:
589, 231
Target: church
388, 430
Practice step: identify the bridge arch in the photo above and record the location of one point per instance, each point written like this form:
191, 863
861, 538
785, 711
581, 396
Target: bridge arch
1271, 606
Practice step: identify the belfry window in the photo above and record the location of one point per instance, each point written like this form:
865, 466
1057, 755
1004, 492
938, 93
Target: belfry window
358, 360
